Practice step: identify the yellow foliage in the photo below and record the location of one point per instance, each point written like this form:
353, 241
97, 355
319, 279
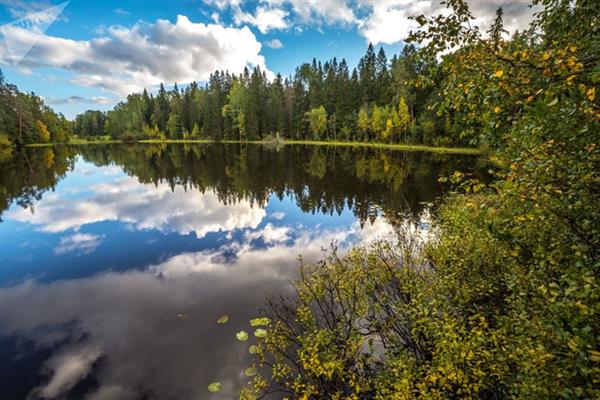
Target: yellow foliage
43, 131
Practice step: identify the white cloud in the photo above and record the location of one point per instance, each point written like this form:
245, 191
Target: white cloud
265, 18
67, 370
282, 250
25, 8
223, 4
145, 206
271, 234
376, 230
274, 44
389, 21
278, 215
379, 21
129, 59
271, 14
316, 12
80, 242
121, 11
79, 100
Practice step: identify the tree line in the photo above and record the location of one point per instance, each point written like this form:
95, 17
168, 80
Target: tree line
25, 119
376, 101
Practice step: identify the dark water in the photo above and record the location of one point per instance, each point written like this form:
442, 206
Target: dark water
116, 262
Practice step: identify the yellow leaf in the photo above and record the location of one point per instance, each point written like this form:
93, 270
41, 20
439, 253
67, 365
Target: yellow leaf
497, 110
499, 73
591, 93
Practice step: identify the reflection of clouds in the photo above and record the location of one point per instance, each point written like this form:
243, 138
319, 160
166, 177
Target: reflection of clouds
131, 319
128, 320
67, 370
80, 242
144, 206
271, 233
378, 230
85, 169
112, 393
278, 215
281, 249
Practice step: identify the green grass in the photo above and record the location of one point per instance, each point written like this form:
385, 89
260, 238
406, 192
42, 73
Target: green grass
395, 146
392, 146
405, 147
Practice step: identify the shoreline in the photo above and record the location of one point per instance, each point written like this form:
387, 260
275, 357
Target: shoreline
388, 146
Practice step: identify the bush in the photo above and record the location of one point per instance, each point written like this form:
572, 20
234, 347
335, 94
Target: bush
129, 137
5, 141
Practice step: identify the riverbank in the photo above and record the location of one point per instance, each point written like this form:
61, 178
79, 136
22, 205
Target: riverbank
388, 146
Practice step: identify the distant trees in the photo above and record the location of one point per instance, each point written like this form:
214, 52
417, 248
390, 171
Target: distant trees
24, 118
377, 100
90, 123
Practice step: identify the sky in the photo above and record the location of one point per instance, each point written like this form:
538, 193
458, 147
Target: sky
84, 54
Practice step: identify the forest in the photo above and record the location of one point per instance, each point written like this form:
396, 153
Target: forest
25, 119
376, 101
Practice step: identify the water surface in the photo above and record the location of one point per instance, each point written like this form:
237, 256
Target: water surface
116, 261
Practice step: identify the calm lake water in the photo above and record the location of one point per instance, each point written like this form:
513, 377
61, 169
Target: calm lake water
117, 261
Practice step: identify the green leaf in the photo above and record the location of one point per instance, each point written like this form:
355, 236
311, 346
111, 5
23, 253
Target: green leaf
214, 387
242, 336
223, 319
553, 102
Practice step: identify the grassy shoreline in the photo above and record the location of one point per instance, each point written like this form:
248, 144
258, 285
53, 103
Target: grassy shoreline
395, 146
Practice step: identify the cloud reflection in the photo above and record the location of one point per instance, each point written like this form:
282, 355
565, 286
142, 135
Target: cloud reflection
67, 370
144, 206
132, 342
84, 243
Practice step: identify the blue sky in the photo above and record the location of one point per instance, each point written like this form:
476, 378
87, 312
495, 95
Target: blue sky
95, 53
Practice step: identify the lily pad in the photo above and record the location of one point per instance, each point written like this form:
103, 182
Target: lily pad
260, 321
242, 336
223, 319
214, 387
254, 349
250, 371
260, 333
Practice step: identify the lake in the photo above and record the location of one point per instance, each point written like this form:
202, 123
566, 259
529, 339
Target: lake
116, 261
